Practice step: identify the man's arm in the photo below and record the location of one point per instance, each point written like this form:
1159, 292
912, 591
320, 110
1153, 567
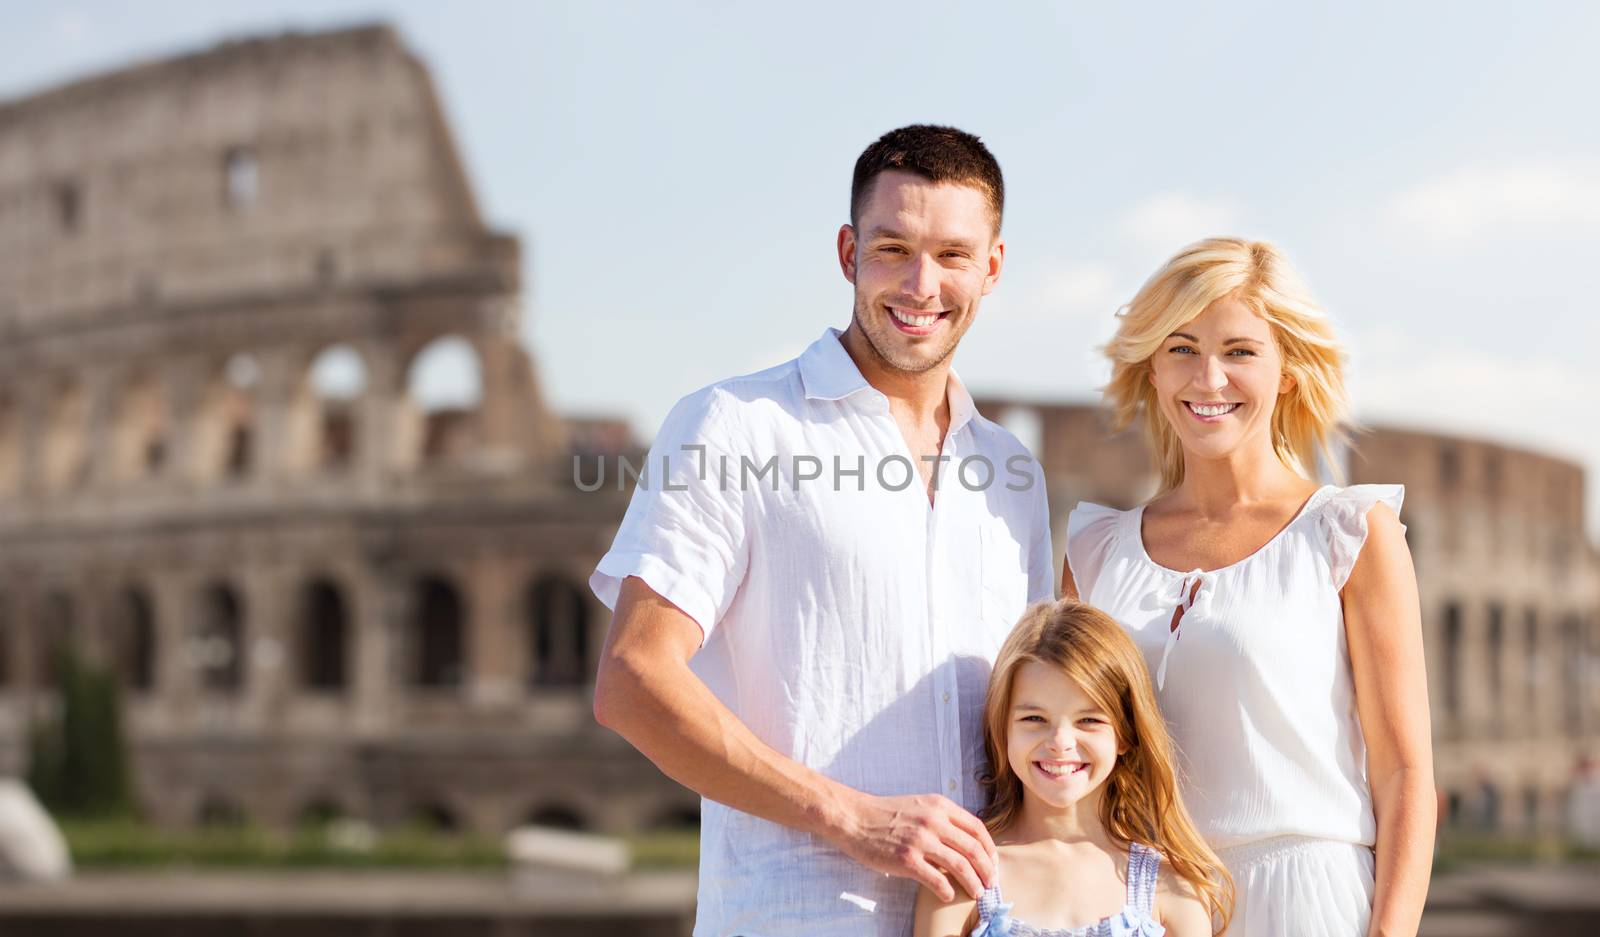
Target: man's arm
646, 693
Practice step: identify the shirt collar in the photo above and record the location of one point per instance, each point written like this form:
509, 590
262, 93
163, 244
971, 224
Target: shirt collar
828, 373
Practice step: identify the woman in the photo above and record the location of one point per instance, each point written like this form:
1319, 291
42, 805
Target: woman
1280, 617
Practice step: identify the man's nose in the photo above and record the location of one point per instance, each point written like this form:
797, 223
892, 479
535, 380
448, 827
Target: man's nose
922, 278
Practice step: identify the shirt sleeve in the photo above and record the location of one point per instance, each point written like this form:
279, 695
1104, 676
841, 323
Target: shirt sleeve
684, 530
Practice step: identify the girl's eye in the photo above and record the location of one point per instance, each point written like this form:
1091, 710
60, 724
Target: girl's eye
1032, 718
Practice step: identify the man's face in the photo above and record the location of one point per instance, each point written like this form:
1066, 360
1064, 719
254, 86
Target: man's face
921, 255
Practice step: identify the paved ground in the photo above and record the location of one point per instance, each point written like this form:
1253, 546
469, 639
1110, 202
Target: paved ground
1494, 901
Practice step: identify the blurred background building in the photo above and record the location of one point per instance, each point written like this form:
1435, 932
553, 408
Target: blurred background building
220, 277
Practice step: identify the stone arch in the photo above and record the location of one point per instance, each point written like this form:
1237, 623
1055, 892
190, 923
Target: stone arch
684, 817
558, 632
139, 429
133, 638
437, 633
225, 443
320, 810
444, 387
219, 810
219, 639
11, 444
324, 636
324, 420
64, 462
1451, 635
57, 632
556, 816
436, 814
5, 639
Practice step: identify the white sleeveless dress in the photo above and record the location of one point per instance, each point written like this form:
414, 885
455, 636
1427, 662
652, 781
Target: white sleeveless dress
1256, 687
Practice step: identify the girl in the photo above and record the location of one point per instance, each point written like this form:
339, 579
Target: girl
1083, 802
1279, 616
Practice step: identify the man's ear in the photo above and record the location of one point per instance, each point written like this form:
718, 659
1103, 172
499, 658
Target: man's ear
997, 261
847, 252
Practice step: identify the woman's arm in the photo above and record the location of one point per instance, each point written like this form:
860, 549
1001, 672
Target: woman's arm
1383, 625
936, 917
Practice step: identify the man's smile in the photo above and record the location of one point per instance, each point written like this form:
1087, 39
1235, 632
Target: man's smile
916, 321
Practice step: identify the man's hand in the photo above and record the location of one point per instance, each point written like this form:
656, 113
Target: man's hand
923, 837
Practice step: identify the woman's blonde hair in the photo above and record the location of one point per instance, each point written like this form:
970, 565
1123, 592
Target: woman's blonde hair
1141, 802
1308, 419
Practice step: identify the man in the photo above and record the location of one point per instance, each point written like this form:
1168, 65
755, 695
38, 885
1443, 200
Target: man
814, 576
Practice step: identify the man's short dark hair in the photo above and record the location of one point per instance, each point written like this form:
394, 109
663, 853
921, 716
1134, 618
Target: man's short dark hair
937, 154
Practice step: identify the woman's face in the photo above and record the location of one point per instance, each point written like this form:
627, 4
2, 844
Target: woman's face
1217, 381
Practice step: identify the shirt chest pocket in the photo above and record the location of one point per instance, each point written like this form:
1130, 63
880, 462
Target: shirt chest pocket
1004, 569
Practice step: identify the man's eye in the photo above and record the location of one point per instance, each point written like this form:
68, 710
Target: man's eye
891, 249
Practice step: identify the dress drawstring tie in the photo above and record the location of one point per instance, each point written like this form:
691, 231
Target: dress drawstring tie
1192, 593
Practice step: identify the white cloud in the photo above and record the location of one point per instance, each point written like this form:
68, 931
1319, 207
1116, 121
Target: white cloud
1167, 222
1473, 200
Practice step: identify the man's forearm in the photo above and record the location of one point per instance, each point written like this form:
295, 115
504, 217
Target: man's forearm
665, 711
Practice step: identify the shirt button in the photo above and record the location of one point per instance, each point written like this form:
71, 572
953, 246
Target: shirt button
947, 696
952, 784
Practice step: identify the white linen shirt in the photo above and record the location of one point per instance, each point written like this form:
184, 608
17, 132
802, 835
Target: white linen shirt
849, 624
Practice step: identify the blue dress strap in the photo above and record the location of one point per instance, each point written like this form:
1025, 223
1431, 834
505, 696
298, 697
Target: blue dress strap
1144, 870
994, 915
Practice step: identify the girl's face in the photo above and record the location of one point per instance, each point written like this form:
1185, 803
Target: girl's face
1217, 380
1059, 743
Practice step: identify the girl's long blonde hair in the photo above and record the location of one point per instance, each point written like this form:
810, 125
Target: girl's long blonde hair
1141, 802
1307, 421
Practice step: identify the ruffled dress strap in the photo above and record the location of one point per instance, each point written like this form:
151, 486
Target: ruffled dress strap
1138, 919
994, 915
1344, 515
1091, 534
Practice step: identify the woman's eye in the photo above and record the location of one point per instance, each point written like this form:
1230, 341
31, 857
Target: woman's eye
1182, 350
1243, 353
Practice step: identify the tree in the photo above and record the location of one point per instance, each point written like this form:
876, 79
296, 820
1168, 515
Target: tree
78, 762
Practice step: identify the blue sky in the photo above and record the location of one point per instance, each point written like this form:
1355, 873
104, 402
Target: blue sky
677, 174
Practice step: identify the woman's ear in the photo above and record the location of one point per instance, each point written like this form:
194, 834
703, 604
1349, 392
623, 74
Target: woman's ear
1285, 382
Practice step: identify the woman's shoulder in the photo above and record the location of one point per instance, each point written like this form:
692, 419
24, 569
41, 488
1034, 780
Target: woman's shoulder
1089, 513
1350, 515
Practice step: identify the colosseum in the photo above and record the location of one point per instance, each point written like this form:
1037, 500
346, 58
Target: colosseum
322, 595
220, 276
